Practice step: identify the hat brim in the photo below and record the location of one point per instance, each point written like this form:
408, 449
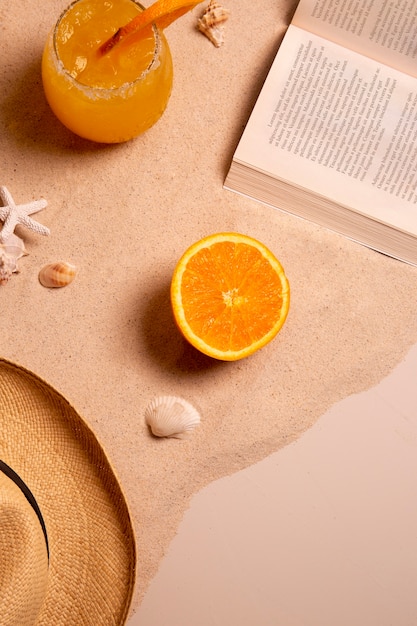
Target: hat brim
92, 565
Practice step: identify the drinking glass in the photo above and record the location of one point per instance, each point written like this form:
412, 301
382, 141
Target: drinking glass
113, 98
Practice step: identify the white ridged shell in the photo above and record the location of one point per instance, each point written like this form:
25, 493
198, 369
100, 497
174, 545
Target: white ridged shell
171, 416
14, 247
10, 251
59, 274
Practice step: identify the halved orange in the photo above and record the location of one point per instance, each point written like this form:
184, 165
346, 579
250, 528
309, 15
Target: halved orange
230, 295
161, 13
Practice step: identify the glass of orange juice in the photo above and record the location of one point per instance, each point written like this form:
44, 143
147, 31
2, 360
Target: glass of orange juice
110, 98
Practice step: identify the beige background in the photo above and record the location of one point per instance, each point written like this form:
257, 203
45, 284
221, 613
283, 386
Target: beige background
319, 533
124, 214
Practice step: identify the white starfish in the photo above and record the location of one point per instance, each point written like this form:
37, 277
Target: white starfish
13, 214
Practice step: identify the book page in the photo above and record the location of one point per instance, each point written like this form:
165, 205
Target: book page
385, 30
344, 127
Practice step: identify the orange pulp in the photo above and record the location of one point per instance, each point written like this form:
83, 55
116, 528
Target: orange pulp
230, 295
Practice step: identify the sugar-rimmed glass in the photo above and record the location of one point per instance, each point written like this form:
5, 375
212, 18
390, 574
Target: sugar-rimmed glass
108, 114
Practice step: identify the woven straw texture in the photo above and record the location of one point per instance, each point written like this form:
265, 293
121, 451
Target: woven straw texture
92, 563
23, 558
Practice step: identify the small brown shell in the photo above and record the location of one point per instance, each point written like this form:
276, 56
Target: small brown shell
59, 274
211, 22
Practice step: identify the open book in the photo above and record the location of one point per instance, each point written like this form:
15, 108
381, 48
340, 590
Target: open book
333, 135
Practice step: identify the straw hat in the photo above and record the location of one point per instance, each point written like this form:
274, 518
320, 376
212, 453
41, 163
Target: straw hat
67, 548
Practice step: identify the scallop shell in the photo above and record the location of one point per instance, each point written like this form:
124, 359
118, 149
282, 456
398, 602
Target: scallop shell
58, 274
170, 416
211, 22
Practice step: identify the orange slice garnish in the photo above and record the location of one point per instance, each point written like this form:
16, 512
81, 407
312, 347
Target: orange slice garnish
162, 13
230, 295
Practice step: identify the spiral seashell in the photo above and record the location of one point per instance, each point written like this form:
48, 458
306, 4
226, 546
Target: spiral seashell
211, 22
215, 14
58, 274
14, 247
170, 416
10, 251
7, 267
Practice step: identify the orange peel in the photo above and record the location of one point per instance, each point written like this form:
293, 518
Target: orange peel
229, 295
161, 13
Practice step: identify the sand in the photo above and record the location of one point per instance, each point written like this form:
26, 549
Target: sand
123, 215
312, 533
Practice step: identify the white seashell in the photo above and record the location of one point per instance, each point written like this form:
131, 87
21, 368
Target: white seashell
10, 251
14, 247
7, 267
170, 416
211, 22
58, 274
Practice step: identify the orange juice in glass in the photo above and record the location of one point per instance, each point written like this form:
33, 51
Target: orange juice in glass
110, 98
